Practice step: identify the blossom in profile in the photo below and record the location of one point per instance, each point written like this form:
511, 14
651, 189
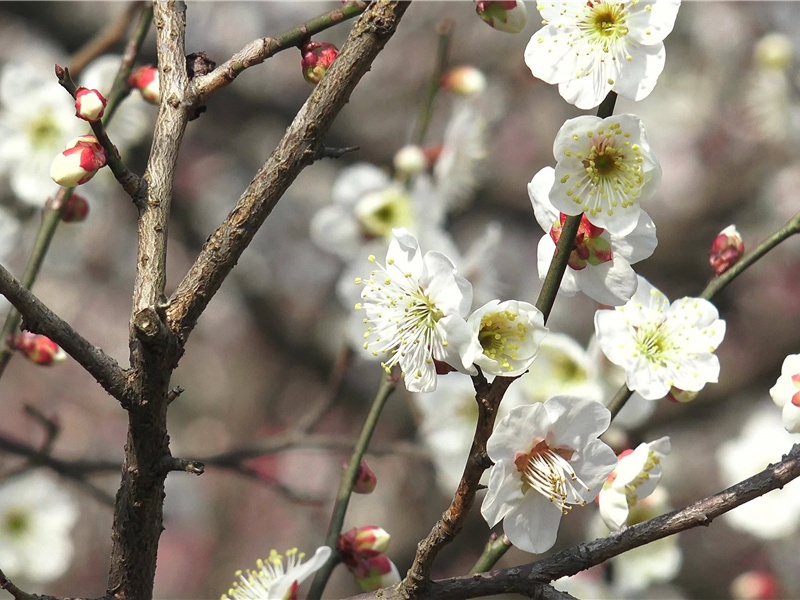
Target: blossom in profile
362, 551
509, 16
592, 48
600, 262
509, 333
635, 477
661, 345
547, 458
786, 393
36, 520
80, 160
604, 168
416, 307
277, 577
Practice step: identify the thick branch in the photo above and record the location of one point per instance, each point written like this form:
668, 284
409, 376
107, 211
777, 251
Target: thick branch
527, 579
40, 319
298, 147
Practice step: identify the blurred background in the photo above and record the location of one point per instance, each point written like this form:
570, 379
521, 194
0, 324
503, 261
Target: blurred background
724, 122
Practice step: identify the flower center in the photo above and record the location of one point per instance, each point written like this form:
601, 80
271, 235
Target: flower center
547, 471
605, 22
653, 342
590, 247
43, 131
16, 522
500, 336
380, 212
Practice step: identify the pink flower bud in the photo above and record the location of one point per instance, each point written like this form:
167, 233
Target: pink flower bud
366, 480
78, 163
317, 57
509, 16
726, 250
89, 104
376, 573
464, 81
145, 79
38, 348
76, 210
363, 542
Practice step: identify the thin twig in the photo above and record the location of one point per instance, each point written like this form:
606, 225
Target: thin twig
103, 41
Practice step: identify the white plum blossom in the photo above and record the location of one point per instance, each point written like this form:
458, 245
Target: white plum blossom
509, 333
636, 476
604, 168
547, 457
416, 308
600, 264
762, 441
272, 580
786, 393
661, 345
36, 518
592, 48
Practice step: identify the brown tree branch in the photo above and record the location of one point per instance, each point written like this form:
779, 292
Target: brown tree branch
40, 319
299, 146
528, 579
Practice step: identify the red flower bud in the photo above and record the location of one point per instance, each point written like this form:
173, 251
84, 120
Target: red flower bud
145, 79
363, 542
89, 104
509, 16
76, 209
78, 162
726, 250
366, 480
38, 348
317, 57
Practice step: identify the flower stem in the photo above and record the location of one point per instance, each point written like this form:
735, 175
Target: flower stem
388, 385
444, 30
494, 550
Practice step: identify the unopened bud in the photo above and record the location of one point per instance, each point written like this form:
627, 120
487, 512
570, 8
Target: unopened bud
363, 542
410, 160
89, 104
75, 210
376, 573
38, 349
317, 57
145, 79
366, 480
726, 250
755, 585
510, 16
464, 81
78, 162
682, 396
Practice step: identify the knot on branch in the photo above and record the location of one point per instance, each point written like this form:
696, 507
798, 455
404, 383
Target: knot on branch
170, 463
149, 327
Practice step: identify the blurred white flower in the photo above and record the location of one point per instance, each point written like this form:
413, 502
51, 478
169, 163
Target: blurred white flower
272, 580
786, 393
661, 345
416, 308
547, 457
600, 264
635, 477
36, 518
763, 440
592, 48
604, 168
509, 333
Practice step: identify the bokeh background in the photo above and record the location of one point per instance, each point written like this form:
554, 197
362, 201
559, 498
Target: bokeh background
727, 139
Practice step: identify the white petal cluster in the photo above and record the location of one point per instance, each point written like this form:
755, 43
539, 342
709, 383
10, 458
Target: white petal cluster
547, 457
604, 168
786, 393
416, 308
600, 267
36, 518
274, 580
661, 345
636, 476
592, 48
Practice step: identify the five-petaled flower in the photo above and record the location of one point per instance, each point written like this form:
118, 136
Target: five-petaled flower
509, 333
636, 476
600, 262
272, 580
592, 48
786, 393
604, 168
661, 345
415, 310
547, 457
